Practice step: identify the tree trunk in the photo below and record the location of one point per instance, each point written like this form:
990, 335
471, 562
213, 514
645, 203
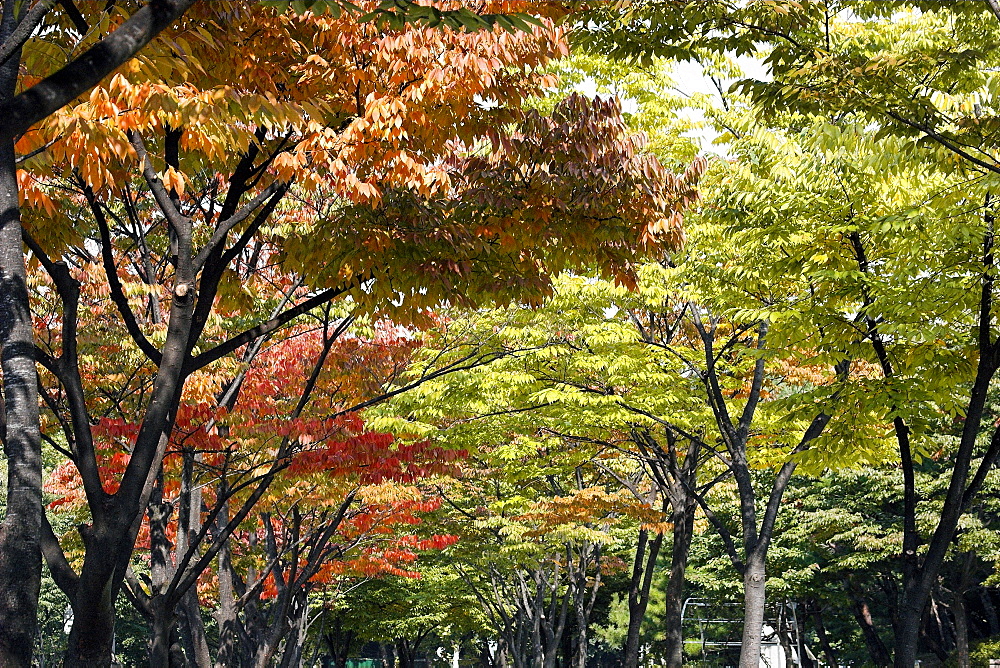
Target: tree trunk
961, 630
159, 646
534, 613
753, 611
907, 634
554, 624
193, 630
405, 653
943, 641
92, 635
805, 660
991, 612
160, 572
338, 643
20, 532
230, 628
873, 641
580, 605
192, 625
918, 583
824, 641
784, 638
674, 604
488, 659
638, 594
388, 659
111, 538
291, 656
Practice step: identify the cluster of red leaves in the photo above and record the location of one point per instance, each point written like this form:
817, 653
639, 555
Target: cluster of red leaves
382, 550
332, 454
376, 458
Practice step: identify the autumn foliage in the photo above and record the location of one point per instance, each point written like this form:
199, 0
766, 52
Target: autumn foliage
333, 454
234, 241
384, 134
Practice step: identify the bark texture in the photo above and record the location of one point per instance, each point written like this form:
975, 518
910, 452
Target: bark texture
20, 532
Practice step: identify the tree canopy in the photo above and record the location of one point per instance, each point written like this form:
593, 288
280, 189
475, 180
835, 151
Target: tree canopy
534, 332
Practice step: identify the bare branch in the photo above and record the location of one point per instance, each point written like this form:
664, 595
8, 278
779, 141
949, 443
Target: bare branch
276, 189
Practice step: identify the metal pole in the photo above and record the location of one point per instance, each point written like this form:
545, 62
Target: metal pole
798, 636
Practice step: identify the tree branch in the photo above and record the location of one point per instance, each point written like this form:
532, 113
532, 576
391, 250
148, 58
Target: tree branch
944, 141
994, 7
166, 203
263, 328
758, 381
65, 577
276, 189
25, 29
61, 88
67, 370
114, 283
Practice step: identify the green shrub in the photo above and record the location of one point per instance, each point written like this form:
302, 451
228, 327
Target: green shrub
979, 655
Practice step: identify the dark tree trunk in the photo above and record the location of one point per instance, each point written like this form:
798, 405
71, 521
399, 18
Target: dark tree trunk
291, 655
960, 614
110, 539
388, 657
578, 649
192, 626
908, 633
487, 659
160, 568
20, 532
873, 641
674, 604
824, 641
91, 638
638, 593
405, 653
805, 660
192, 629
338, 643
230, 629
160, 642
942, 641
990, 610
965, 482
932, 638
784, 637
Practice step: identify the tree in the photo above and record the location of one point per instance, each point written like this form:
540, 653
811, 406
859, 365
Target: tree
20, 564
785, 190
868, 219
408, 613
27, 39
220, 465
389, 153
621, 384
919, 71
545, 497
